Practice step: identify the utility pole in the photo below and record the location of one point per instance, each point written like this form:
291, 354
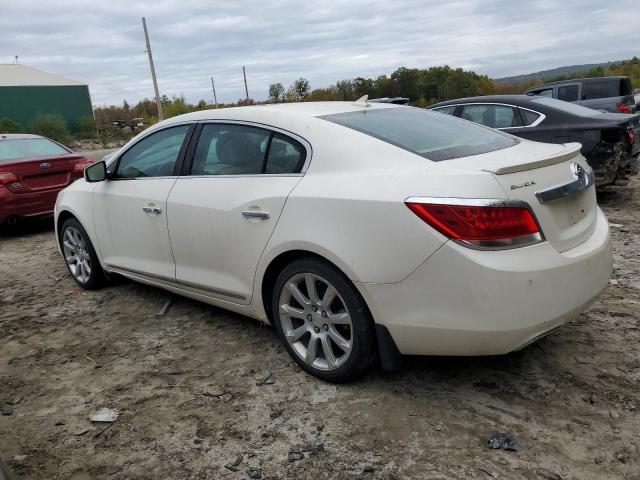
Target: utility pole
153, 70
215, 99
246, 90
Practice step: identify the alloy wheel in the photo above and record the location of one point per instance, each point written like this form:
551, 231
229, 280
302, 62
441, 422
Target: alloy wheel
315, 321
76, 254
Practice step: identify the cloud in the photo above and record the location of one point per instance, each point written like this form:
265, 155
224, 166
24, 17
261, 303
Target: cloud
102, 43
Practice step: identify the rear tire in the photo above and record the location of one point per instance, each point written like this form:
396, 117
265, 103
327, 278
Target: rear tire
323, 321
80, 256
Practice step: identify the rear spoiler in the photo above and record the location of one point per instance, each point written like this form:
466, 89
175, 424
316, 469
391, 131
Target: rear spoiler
570, 151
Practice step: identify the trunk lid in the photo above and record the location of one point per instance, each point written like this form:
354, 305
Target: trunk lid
531, 167
43, 173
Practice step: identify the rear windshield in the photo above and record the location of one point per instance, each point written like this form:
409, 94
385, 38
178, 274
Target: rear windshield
18, 148
432, 135
615, 87
572, 108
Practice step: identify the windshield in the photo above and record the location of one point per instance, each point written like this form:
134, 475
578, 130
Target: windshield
429, 134
571, 108
19, 148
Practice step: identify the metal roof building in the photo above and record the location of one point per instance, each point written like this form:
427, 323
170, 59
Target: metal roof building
26, 92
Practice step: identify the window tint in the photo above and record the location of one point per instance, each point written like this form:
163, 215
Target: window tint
572, 108
448, 110
435, 137
601, 89
230, 150
568, 93
494, 116
285, 155
17, 148
153, 156
528, 116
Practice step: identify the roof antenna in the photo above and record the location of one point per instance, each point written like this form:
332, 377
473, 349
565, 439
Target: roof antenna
362, 101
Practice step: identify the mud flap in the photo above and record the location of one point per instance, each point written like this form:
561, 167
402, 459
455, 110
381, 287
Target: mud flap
390, 358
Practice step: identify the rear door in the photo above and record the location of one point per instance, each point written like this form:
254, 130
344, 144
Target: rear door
130, 209
222, 213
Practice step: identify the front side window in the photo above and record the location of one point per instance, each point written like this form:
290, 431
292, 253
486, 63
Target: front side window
494, 116
568, 93
234, 149
19, 148
546, 92
425, 133
154, 155
448, 110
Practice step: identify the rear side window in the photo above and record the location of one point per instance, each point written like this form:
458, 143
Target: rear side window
425, 133
19, 148
568, 93
234, 149
601, 89
494, 116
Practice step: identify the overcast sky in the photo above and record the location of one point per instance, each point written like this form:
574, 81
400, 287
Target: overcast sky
102, 42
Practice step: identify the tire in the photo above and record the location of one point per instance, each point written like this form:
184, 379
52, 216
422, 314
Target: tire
80, 256
334, 319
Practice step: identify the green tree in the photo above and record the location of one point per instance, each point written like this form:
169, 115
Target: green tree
52, 126
276, 91
301, 88
9, 126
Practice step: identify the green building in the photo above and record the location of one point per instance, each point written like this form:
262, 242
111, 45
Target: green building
26, 92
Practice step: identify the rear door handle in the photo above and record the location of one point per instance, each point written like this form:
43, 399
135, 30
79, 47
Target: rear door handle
152, 210
255, 214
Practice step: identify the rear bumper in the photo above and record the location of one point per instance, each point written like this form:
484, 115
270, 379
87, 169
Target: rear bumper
470, 302
26, 204
605, 161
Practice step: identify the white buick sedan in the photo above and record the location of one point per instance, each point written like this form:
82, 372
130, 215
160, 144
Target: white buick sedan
359, 230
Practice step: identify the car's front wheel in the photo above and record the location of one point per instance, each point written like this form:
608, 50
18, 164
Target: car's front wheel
322, 321
80, 256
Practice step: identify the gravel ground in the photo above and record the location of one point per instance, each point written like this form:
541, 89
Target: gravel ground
193, 401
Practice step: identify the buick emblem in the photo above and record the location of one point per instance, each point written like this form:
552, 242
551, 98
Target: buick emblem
45, 165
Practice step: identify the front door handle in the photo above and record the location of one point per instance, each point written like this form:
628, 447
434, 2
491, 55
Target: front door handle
255, 214
152, 210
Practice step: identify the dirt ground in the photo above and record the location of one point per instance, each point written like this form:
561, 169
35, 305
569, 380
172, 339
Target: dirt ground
192, 401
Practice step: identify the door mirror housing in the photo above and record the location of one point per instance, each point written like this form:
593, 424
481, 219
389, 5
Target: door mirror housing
96, 172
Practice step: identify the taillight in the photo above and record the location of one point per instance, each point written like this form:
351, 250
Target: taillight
631, 136
623, 108
485, 224
7, 177
80, 166
10, 181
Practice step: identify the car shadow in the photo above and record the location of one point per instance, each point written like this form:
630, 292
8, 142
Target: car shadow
27, 226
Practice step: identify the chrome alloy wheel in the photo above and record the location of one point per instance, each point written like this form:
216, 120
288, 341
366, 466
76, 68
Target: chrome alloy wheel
315, 321
76, 254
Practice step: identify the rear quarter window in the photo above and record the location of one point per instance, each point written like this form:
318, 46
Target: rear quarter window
425, 133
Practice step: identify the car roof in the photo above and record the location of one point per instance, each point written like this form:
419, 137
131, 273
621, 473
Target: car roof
302, 109
573, 80
18, 136
512, 99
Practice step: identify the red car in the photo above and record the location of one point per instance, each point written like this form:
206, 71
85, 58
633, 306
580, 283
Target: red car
33, 169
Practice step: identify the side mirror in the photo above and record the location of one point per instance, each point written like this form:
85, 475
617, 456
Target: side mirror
96, 172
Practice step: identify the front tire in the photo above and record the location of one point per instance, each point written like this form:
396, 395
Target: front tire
322, 321
80, 256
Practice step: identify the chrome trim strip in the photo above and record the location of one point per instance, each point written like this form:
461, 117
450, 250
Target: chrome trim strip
583, 178
178, 283
516, 242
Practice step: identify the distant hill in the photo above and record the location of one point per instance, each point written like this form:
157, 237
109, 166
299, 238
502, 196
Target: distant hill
553, 73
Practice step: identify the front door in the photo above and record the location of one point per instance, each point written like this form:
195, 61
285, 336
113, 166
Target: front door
129, 209
221, 215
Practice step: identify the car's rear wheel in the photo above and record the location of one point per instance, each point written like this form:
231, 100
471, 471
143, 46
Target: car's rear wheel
80, 256
322, 321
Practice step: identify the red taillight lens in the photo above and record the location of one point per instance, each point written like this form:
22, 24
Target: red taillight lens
80, 166
7, 177
481, 226
631, 136
623, 108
